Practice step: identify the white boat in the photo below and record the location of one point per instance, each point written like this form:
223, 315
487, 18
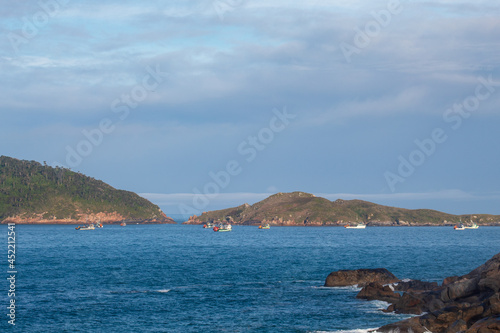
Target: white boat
459, 227
358, 226
87, 227
472, 226
223, 227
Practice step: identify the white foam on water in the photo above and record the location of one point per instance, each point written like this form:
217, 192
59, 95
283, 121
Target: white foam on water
360, 330
348, 288
380, 304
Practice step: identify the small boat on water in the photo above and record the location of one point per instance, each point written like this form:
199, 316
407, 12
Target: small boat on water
86, 227
208, 225
123, 224
459, 227
223, 227
265, 226
358, 226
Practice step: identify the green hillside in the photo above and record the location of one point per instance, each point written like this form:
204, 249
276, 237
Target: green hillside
30, 190
299, 208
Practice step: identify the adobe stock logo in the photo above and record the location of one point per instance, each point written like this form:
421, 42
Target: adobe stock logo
428, 146
248, 149
372, 29
34, 23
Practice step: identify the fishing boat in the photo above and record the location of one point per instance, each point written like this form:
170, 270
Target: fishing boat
208, 225
123, 224
86, 227
223, 227
265, 226
459, 227
358, 226
472, 226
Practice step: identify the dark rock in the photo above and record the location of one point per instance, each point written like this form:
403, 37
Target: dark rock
472, 313
444, 321
469, 303
456, 327
359, 277
415, 285
375, 291
460, 289
433, 303
490, 283
487, 325
492, 306
410, 303
450, 280
407, 325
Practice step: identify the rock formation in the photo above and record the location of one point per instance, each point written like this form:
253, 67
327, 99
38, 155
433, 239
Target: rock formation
469, 303
359, 277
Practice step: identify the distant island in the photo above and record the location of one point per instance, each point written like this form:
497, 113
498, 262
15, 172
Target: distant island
32, 193
304, 209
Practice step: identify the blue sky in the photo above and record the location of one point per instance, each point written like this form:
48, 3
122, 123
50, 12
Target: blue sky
201, 105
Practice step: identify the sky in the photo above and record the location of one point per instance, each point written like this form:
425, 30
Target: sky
209, 104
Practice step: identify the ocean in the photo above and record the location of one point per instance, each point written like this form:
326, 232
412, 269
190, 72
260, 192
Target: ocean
176, 278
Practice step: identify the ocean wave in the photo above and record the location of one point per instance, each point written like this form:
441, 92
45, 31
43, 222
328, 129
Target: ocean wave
380, 304
163, 291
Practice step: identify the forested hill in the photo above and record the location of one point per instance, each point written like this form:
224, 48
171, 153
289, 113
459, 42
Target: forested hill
34, 193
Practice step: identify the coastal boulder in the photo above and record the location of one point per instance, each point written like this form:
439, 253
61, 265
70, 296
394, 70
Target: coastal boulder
486, 325
407, 325
460, 289
410, 303
490, 283
468, 303
360, 277
375, 291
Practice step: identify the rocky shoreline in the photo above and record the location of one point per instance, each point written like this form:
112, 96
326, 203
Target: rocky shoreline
193, 220
468, 303
103, 217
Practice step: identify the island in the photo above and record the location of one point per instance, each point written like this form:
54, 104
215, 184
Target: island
305, 209
32, 193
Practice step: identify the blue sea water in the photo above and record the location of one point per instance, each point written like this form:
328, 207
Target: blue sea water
174, 278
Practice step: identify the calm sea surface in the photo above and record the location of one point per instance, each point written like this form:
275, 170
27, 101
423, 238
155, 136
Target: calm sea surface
173, 278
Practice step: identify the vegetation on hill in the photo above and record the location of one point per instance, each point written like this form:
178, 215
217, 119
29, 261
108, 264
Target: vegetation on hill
299, 208
30, 190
